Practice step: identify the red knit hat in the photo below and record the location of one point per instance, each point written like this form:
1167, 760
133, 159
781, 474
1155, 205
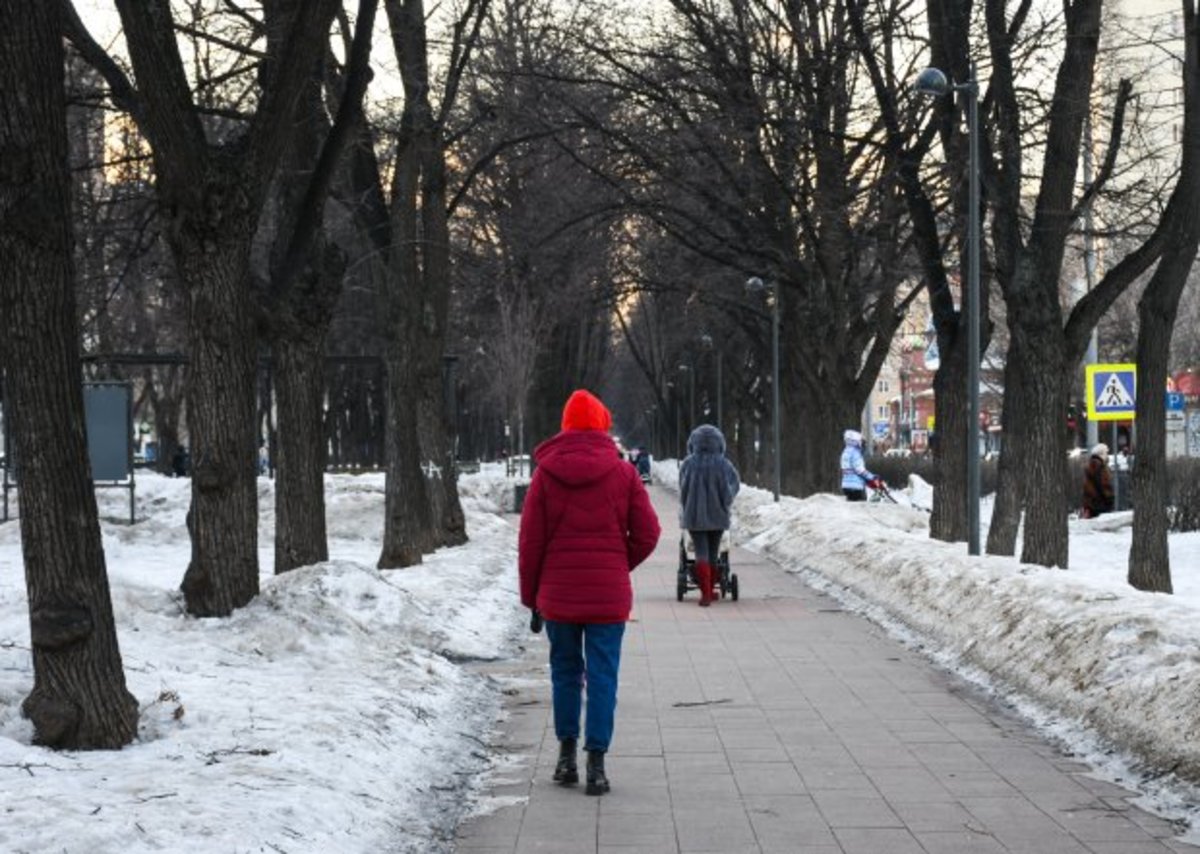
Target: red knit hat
584, 411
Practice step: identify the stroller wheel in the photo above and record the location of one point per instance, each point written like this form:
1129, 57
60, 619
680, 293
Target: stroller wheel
680, 589
733, 587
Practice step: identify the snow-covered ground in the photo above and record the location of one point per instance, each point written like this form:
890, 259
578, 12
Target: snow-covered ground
1112, 673
337, 712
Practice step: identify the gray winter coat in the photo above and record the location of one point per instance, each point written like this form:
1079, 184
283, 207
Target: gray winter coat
707, 482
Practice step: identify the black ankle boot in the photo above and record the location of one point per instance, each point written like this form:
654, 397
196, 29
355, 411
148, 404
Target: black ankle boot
566, 772
597, 781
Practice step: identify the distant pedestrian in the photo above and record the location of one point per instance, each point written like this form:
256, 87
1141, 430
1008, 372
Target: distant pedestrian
1097, 484
855, 476
180, 461
586, 524
708, 483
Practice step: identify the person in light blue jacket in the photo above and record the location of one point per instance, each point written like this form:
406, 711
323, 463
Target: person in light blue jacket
708, 483
855, 477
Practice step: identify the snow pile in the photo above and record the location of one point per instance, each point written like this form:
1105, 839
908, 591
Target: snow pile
334, 712
490, 488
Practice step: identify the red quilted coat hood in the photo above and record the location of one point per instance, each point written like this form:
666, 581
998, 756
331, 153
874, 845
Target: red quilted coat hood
578, 457
585, 524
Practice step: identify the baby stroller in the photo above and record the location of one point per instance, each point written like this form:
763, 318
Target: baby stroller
724, 580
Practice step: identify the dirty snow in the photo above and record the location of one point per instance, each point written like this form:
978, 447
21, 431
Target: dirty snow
337, 712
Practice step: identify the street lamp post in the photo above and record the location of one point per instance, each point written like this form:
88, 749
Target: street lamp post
754, 284
933, 83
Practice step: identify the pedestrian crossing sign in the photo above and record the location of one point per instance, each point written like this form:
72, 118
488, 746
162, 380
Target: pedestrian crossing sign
1111, 392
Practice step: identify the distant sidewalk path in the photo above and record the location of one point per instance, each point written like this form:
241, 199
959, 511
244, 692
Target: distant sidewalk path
781, 723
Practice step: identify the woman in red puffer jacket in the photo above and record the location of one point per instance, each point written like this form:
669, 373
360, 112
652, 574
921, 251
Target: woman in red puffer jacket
585, 524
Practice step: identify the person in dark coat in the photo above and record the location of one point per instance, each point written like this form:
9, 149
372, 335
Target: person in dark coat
708, 483
180, 462
587, 522
1097, 484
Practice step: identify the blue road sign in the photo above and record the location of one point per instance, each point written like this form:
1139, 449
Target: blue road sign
1111, 392
1175, 401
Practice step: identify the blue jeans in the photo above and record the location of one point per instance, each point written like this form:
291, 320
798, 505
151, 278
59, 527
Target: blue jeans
575, 647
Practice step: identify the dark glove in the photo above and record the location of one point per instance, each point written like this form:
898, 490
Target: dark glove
535, 622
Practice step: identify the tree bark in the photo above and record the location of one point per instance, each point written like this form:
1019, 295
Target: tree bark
79, 699
1009, 501
221, 395
1042, 375
407, 529
1149, 556
419, 295
306, 280
948, 521
300, 536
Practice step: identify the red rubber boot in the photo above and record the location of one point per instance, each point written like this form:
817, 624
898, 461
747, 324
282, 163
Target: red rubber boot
704, 574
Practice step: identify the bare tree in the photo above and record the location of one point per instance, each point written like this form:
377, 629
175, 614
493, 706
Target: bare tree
79, 699
1149, 557
305, 282
211, 183
748, 142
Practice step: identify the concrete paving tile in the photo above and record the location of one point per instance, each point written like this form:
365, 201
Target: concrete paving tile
780, 819
848, 810
973, 784
713, 829
767, 778
936, 817
1042, 845
736, 755
644, 830
1152, 847
576, 844
842, 781
691, 740
866, 840
1090, 825
959, 842
892, 756
1011, 811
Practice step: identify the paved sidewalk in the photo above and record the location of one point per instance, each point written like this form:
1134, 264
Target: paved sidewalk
781, 723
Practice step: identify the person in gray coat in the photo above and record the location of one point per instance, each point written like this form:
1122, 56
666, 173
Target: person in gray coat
708, 483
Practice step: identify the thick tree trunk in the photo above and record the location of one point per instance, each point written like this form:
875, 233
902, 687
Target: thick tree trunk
79, 699
1009, 502
300, 538
223, 518
1042, 377
1149, 558
407, 527
446, 514
948, 522
450, 527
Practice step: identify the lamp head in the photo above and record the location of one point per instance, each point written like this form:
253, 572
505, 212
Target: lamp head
706, 341
932, 83
754, 284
